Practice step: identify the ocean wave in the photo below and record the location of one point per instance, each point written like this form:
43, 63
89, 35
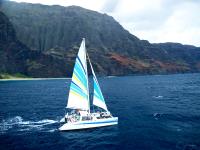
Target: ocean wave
158, 97
157, 115
19, 123
52, 130
110, 76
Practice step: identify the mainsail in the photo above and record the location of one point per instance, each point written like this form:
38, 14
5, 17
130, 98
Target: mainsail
98, 99
79, 91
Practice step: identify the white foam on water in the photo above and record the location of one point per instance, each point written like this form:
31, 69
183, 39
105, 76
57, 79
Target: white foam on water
111, 76
62, 120
18, 122
157, 115
45, 121
158, 97
52, 130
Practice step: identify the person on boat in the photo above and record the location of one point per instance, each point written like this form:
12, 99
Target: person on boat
78, 115
105, 114
66, 117
71, 119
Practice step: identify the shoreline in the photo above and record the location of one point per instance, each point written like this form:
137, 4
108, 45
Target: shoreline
29, 79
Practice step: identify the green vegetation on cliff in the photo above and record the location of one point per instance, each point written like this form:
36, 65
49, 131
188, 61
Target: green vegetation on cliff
12, 76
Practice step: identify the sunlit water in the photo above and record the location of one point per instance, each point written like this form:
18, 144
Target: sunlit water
155, 113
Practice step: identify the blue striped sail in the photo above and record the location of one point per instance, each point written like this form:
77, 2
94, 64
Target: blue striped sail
98, 99
78, 94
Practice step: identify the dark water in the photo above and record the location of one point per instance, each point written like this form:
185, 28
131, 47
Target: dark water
155, 113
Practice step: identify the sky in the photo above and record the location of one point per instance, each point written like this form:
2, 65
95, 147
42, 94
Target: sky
154, 20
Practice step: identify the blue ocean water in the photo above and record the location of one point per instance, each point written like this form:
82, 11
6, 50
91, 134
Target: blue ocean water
158, 112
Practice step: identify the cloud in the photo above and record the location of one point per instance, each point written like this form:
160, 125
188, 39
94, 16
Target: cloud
183, 25
161, 21
109, 6
153, 20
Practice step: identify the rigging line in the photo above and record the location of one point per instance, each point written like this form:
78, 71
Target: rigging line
90, 63
92, 73
93, 70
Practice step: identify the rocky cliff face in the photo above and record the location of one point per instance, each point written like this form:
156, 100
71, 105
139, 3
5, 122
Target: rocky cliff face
51, 26
12, 52
52, 35
15, 57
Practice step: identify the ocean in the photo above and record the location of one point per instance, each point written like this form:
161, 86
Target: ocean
156, 112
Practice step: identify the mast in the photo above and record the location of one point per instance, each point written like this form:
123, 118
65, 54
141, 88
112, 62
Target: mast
87, 76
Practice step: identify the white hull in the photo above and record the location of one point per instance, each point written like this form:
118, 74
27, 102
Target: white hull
89, 124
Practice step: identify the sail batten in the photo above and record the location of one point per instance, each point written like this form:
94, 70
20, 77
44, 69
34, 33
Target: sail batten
78, 94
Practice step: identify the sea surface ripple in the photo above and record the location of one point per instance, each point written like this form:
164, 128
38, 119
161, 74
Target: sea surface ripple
156, 112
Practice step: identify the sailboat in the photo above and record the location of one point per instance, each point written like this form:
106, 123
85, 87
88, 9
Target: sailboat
80, 116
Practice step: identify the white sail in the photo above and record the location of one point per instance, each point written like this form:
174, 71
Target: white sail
98, 99
79, 91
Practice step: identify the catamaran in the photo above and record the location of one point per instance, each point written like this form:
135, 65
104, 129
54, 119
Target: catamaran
80, 116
